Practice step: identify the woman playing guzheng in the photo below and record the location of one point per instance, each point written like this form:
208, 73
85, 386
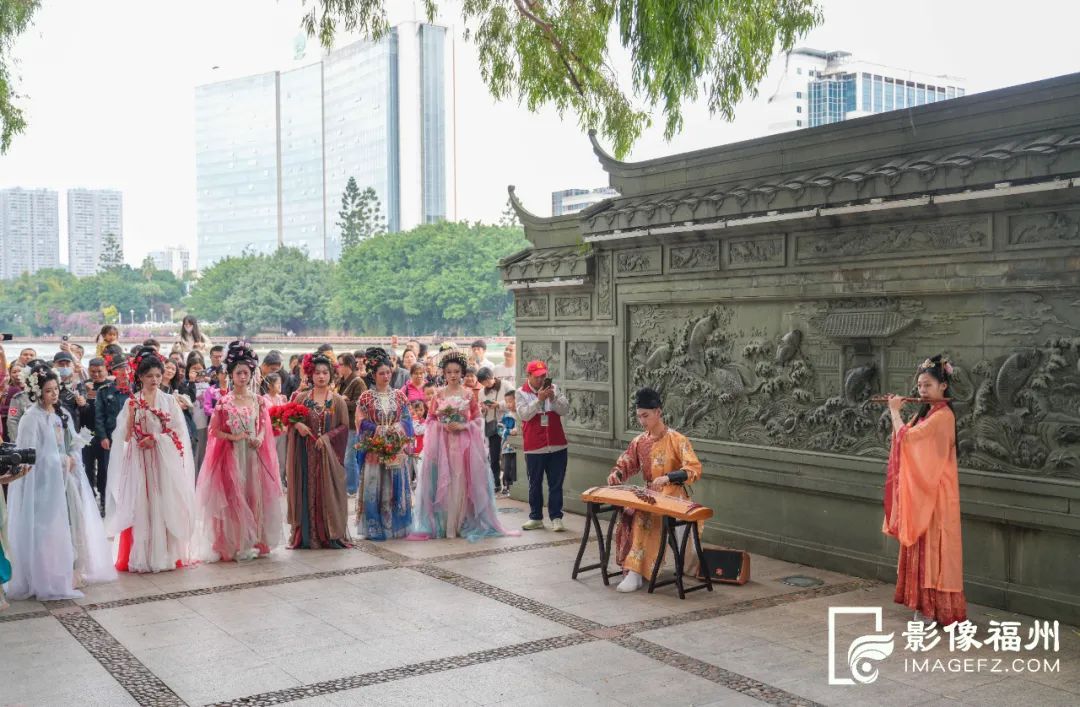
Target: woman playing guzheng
668, 464
922, 501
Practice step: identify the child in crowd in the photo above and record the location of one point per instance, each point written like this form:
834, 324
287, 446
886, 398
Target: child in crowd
508, 427
418, 410
106, 337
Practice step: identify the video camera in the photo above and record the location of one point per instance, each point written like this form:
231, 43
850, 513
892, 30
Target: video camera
12, 458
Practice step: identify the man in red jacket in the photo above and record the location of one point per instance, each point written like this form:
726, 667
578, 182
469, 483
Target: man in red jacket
540, 407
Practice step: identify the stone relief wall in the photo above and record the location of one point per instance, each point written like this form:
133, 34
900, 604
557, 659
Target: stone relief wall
587, 361
589, 410
798, 375
547, 351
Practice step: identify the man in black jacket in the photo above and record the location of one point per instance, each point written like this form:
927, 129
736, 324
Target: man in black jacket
95, 457
109, 401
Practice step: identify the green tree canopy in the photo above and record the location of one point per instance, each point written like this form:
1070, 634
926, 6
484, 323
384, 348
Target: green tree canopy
15, 17
557, 53
112, 253
251, 293
438, 277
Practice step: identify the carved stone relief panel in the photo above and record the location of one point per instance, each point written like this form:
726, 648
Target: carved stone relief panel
697, 257
531, 307
588, 361
635, 262
911, 240
604, 287
573, 307
589, 410
768, 252
547, 351
1046, 229
800, 374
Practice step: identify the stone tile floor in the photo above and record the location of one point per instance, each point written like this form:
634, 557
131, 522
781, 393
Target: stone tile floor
491, 623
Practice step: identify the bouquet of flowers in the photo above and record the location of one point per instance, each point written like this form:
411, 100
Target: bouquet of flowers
386, 444
284, 416
454, 410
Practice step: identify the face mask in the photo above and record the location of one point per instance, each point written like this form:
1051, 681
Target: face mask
64, 372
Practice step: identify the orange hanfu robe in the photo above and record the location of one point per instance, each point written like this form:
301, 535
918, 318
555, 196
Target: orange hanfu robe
922, 511
639, 534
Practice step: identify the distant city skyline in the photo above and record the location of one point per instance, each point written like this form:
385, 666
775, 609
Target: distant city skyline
820, 87
142, 145
92, 213
29, 231
275, 150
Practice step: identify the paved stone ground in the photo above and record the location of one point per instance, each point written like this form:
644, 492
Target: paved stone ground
496, 622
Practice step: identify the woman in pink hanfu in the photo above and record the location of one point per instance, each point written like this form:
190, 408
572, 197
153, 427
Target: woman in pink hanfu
455, 495
239, 490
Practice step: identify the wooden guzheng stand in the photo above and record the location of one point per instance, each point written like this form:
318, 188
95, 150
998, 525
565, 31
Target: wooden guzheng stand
675, 511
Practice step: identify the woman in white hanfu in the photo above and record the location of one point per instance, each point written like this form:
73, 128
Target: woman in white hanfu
55, 534
150, 498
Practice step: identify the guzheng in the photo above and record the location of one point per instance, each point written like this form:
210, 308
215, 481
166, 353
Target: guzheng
644, 499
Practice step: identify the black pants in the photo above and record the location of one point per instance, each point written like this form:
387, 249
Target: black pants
96, 465
494, 450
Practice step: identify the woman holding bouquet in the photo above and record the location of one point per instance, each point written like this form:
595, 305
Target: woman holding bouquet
384, 429
150, 496
239, 490
318, 504
455, 493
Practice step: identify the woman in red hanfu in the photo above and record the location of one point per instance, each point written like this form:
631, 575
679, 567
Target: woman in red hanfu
922, 501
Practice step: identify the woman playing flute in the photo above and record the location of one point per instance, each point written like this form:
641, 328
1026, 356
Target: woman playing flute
922, 500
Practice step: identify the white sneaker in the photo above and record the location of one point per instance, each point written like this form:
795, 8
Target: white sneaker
631, 583
557, 526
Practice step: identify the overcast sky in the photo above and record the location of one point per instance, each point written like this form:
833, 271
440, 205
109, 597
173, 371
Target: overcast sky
110, 84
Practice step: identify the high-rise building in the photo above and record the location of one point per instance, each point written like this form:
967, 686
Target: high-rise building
817, 88
274, 151
175, 259
29, 231
570, 201
92, 213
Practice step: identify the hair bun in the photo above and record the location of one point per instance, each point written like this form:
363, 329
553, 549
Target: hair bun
240, 352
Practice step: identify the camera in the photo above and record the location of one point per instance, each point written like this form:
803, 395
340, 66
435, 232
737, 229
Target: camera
12, 458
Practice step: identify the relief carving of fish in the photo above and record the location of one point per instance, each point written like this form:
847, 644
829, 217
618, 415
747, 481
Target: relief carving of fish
1013, 375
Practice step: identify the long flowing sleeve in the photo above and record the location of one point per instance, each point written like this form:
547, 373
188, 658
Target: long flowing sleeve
688, 461
629, 462
406, 418
925, 453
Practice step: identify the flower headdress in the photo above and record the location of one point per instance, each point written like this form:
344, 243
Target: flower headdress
307, 365
454, 356
375, 357
34, 375
143, 354
241, 352
946, 365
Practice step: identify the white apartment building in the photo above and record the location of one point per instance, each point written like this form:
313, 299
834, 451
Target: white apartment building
92, 213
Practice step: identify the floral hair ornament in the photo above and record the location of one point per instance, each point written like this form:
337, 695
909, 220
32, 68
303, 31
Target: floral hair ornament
32, 375
945, 364
454, 356
307, 365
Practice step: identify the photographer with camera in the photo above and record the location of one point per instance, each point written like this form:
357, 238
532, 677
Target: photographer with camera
540, 407
71, 391
19, 402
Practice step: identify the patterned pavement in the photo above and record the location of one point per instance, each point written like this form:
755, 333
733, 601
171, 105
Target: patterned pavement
446, 622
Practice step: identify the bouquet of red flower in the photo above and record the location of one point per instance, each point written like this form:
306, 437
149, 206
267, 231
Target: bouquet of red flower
387, 445
284, 416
